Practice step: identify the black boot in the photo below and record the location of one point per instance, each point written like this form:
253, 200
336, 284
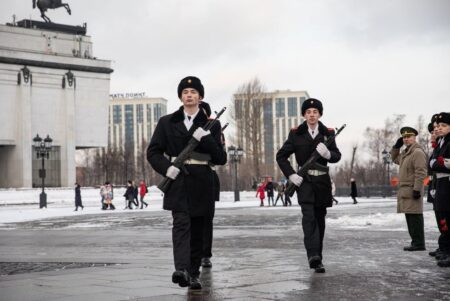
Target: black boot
444, 262
314, 261
434, 253
414, 248
195, 283
320, 268
181, 277
206, 262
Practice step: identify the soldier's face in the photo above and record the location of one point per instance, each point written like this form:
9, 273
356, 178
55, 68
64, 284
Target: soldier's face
312, 116
443, 129
190, 97
408, 140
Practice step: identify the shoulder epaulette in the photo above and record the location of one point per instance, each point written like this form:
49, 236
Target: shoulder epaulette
330, 130
294, 129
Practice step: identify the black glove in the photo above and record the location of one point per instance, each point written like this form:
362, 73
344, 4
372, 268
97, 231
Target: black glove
416, 194
399, 143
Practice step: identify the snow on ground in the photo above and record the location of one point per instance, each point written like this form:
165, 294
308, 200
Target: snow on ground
18, 205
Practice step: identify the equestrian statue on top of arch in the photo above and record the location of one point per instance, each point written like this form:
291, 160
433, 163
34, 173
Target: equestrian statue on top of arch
43, 5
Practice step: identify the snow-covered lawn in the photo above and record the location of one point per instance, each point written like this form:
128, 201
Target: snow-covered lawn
18, 205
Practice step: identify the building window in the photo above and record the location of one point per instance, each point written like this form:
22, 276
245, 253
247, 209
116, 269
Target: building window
268, 131
157, 111
140, 113
292, 106
117, 114
279, 107
129, 124
238, 108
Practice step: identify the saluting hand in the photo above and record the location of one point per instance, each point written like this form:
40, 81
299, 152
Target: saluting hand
323, 151
399, 143
172, 172
199, 133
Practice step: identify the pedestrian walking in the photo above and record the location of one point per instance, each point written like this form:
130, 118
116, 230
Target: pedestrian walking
313, 191
412, 173
129, 195
441, 166
280, 192
103, 196
261, 193
142, 192
135, 195
78, 202
269, 189
191, 194
109, 196
353, 190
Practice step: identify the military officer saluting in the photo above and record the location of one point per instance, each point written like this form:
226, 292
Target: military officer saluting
412, 172
314, 191
190, 196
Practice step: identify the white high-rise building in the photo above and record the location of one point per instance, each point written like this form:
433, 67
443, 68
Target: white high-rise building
132, 120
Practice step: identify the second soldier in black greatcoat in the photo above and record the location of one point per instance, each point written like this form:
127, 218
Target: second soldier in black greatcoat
313, 191
190, 195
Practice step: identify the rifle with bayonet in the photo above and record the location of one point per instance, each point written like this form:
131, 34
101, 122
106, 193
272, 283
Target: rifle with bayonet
187, 151
311, 162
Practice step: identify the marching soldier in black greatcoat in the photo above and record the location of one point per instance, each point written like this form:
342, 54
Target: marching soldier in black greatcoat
313, 191
190, 196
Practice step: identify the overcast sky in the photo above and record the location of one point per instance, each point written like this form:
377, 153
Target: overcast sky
366, 60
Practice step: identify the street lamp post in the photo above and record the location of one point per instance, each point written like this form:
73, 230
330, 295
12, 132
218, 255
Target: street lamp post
235, 158
43, 148
387, 163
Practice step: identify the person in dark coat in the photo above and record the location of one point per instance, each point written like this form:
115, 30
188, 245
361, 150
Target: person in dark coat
136, 194
78, 202
280, 194
269, 189
441, 166
190, 196
129, 195
434, 140
353, 190
313, 191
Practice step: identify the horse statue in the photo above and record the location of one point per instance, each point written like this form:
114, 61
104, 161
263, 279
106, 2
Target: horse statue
43, 5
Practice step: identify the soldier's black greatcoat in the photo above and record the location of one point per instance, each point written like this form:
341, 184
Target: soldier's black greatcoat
190, 196
442, 197
314, 194
192, 193
300, 143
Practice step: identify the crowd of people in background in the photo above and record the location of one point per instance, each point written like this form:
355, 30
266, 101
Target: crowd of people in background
134, 196
269, 187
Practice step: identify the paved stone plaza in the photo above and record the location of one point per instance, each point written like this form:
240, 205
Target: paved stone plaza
258, 255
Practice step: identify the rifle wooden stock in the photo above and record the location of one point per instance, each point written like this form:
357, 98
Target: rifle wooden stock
291, 187
187, 151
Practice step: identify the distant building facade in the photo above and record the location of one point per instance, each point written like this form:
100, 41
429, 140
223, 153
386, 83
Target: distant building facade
50, 84
132, 120
281, 111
